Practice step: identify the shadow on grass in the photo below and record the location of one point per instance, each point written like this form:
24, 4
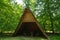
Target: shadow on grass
21, 38
9, 37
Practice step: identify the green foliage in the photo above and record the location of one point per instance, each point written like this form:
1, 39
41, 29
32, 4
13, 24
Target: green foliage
9, 15
47, 12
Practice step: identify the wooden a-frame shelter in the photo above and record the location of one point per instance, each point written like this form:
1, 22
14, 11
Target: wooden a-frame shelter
28, 26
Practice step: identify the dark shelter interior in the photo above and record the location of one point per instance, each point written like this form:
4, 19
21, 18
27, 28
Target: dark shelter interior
29, 29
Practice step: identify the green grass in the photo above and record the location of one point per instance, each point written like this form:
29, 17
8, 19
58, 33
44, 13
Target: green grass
52, 37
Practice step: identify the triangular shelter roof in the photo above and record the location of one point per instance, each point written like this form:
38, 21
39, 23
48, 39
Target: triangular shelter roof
28, 25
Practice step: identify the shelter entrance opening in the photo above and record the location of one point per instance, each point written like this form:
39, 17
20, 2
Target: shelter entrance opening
29, 29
